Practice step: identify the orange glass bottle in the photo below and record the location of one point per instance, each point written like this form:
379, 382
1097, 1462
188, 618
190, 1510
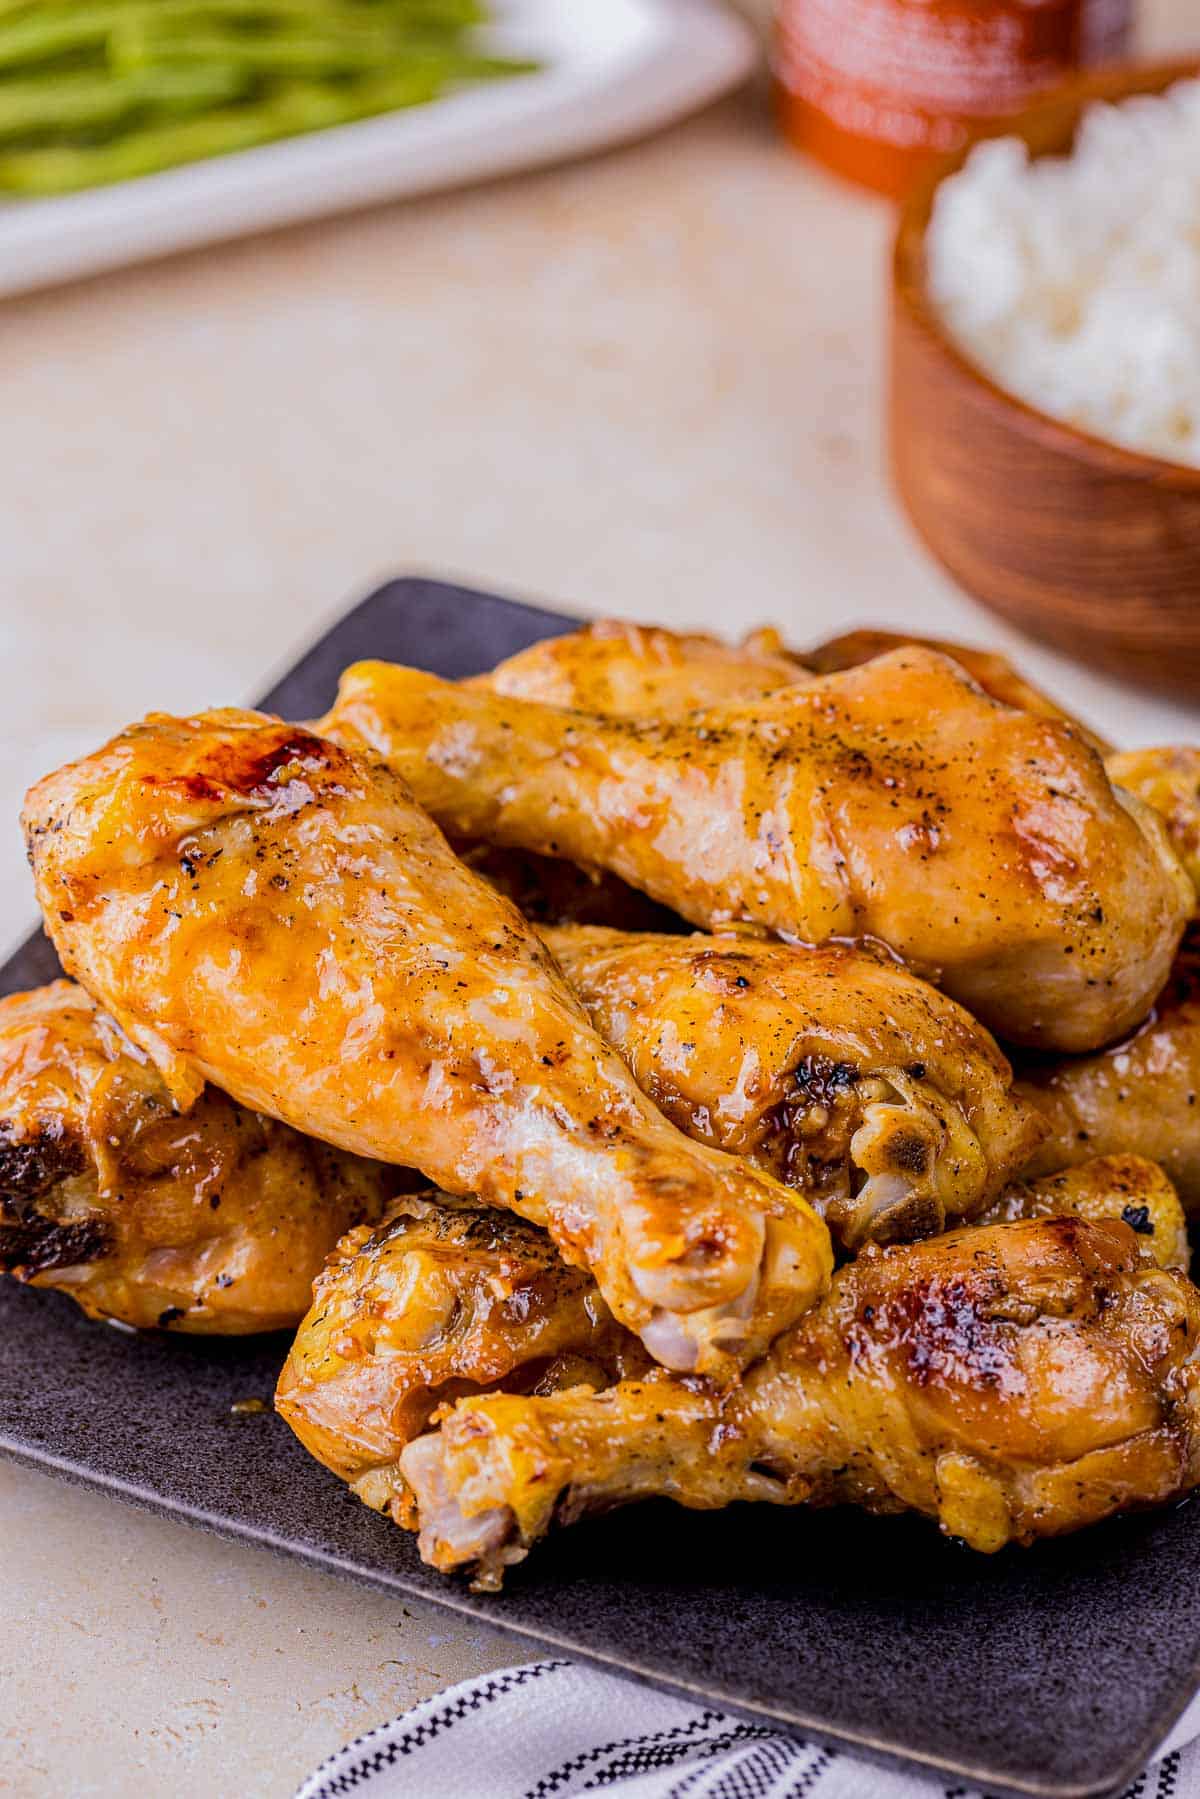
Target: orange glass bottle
878, 89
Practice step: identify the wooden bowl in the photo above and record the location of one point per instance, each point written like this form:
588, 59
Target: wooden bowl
1090, 546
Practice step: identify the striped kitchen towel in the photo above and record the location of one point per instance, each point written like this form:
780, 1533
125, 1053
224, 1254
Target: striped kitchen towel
556, 1729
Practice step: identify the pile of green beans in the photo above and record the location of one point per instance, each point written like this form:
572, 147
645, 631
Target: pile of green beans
95, 91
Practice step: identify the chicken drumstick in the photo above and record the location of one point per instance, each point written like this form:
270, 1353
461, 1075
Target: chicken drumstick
983, 844
1013, 1381
260, 909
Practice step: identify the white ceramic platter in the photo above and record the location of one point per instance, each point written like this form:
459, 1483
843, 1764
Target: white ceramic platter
613, 69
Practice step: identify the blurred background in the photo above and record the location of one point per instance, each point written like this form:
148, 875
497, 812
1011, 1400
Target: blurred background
646, 384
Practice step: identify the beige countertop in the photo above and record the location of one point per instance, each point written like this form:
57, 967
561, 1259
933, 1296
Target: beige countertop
645, 385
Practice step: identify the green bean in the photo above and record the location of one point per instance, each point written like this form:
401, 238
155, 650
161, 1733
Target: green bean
95, 91
434, 15
50, 33
46, 35
91, 102
304, 52
291, 110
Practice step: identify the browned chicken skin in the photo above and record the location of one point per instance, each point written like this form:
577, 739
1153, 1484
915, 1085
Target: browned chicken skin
994, 672
835, 1069
1168, 780
262, 910
1014, 1382
622, 670
1142, 1094
629, 671
441, 1301
640, 671
897, 801
643, 671
1127, 1187
214, 1220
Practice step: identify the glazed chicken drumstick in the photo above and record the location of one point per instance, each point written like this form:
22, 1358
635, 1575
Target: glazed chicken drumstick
1141, 1094
1013, 1381
261, 909
442, 1300
445, 1300
835, 1069
638, 671
629, 671
983, 844
862, 1087
214, 1220
643, 671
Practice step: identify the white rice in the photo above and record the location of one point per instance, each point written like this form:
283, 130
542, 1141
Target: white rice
1075, 281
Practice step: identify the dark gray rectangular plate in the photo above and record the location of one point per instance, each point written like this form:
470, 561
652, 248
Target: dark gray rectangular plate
1053, 1671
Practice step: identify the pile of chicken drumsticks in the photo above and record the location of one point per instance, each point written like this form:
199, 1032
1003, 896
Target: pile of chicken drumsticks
596, 1056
